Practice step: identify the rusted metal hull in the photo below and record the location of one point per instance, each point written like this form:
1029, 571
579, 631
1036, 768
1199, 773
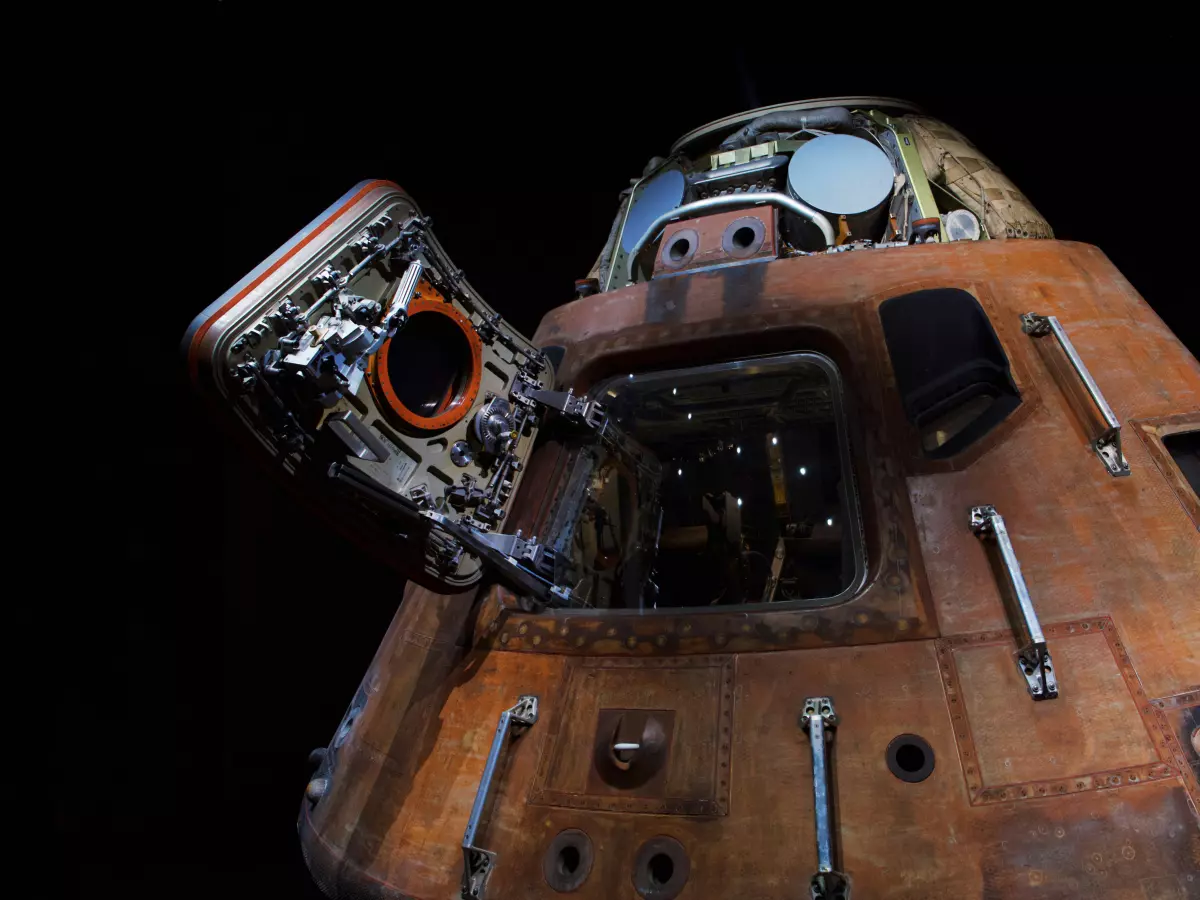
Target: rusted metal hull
1092, 794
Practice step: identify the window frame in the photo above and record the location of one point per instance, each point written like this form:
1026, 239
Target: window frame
1152, 431
842, 423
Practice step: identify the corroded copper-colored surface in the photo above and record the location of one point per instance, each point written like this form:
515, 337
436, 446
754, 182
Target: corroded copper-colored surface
1085, 795
710, 245
1026, 751
693, 778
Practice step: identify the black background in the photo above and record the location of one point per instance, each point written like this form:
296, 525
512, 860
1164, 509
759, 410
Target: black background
234, 627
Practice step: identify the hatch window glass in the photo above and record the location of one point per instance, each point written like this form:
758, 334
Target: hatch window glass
734, 487
952, 374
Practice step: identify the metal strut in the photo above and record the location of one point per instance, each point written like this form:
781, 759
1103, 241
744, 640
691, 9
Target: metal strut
477, 862
817, 718
1033, 659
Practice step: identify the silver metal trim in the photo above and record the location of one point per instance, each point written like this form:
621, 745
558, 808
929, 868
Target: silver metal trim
729, 201
618, 253
819, 716
1108, 444
818, 712
404, 293
737, 120
477, 862
1033, 659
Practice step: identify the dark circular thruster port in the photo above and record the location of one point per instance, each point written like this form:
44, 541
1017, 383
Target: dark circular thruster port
568, 860
679, 249
661, 869
910, 758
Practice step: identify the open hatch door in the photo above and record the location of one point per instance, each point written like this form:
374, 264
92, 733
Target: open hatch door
387, 391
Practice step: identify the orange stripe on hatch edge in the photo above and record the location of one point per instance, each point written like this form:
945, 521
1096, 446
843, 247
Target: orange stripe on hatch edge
194, 347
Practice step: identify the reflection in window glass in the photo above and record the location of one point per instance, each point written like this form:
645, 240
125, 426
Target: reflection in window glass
752, 501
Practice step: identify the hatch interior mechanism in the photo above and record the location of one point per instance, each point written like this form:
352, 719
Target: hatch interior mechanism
382, 379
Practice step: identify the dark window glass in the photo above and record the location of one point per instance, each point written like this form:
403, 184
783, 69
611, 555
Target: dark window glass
743, 495
1185, 450
951, 371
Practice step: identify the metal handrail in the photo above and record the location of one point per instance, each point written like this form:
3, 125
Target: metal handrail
1108, 444
817, 717
1034, 657
477, 862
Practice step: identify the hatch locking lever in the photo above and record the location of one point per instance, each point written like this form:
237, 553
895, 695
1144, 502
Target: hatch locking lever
1033, 659
477, 862
817, 719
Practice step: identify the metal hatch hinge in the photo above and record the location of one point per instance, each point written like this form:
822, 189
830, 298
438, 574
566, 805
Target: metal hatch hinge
591, 414
817, 719
578, 409
448, 537
522, 550
477, 862
1108, 444
1033, 659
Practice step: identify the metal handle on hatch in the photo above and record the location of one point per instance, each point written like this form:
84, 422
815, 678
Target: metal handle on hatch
477, 862
1108, 444
1034, 658
817, 718
358, 437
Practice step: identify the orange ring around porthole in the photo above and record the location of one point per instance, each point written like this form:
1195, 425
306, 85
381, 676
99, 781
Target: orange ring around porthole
426, 376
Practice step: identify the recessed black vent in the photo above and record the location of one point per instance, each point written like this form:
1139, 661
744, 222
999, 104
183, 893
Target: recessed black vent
952, 373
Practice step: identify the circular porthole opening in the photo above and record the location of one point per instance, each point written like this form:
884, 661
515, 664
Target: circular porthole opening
679, 249
661, 869
426, 376
910, 758
568, 860
429, 364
